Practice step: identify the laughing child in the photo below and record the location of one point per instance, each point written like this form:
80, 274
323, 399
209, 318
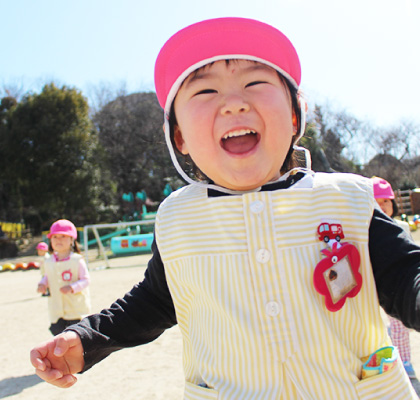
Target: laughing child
274, 274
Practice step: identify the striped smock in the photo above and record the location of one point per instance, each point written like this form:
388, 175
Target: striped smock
240, 272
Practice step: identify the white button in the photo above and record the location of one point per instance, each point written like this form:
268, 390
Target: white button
263, 255
257, 206
272, 308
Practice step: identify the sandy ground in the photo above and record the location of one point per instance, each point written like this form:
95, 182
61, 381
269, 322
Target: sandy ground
147, 372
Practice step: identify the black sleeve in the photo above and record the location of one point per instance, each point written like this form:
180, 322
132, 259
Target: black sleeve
141, 316
395, 261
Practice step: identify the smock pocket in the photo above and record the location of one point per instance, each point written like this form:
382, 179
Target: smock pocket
393, 384
197, 392
75, 305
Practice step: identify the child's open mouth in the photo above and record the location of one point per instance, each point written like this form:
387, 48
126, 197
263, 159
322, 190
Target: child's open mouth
240, 141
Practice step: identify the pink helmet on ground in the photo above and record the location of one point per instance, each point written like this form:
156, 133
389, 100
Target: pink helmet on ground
382, 189
42, 246
63, 227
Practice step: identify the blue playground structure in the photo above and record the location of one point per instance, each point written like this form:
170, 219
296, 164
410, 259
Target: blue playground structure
132, 244
133, 235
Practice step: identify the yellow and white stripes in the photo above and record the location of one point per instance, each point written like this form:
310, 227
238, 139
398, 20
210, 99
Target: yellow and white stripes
240, 272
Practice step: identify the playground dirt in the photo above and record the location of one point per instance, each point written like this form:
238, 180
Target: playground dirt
148, 372
152, 372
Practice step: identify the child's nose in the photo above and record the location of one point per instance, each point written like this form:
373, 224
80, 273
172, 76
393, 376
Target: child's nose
234, 104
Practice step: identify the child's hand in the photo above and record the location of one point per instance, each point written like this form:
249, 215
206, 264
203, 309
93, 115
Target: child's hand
57, 360
41, 288
66, 289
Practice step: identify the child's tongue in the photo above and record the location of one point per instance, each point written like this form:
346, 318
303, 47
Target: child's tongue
240, 144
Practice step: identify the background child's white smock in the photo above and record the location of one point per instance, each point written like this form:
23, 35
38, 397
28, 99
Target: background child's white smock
70, 306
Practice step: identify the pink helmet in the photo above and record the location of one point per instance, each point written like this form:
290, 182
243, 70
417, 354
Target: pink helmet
63, 227
220, 39
382, 189
42, 246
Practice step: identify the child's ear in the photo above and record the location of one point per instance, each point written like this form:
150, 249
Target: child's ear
294, 122
179, 141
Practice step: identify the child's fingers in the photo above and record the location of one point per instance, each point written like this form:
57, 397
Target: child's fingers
56, 378
49, 375
64, 341
38, 363
61, 346
37, 357
66, 381
56, 360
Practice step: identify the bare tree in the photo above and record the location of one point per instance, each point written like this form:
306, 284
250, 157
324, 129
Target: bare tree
334, 132
14, 90
103, 93
402, 140
397, 158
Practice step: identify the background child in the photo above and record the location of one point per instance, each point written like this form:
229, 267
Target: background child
400, 335
266, 307
66, 276
42, 251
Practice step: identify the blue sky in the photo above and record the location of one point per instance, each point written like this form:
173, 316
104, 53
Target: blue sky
361, 56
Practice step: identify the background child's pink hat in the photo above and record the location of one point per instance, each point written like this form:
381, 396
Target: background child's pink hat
42, 246
219, 39
382, 189
63, 227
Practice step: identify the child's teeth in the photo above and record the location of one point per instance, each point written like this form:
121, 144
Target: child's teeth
242, 132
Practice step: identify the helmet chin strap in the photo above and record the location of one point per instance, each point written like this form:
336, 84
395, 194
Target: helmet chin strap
303, 106
308, 160
171, 149
222, 189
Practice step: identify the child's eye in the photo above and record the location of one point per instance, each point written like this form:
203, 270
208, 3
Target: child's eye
205, 91
255, 83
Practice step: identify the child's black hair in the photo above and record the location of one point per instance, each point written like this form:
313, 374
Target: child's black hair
395, 210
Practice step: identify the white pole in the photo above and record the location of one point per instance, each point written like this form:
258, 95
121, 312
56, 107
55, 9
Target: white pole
114, 225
